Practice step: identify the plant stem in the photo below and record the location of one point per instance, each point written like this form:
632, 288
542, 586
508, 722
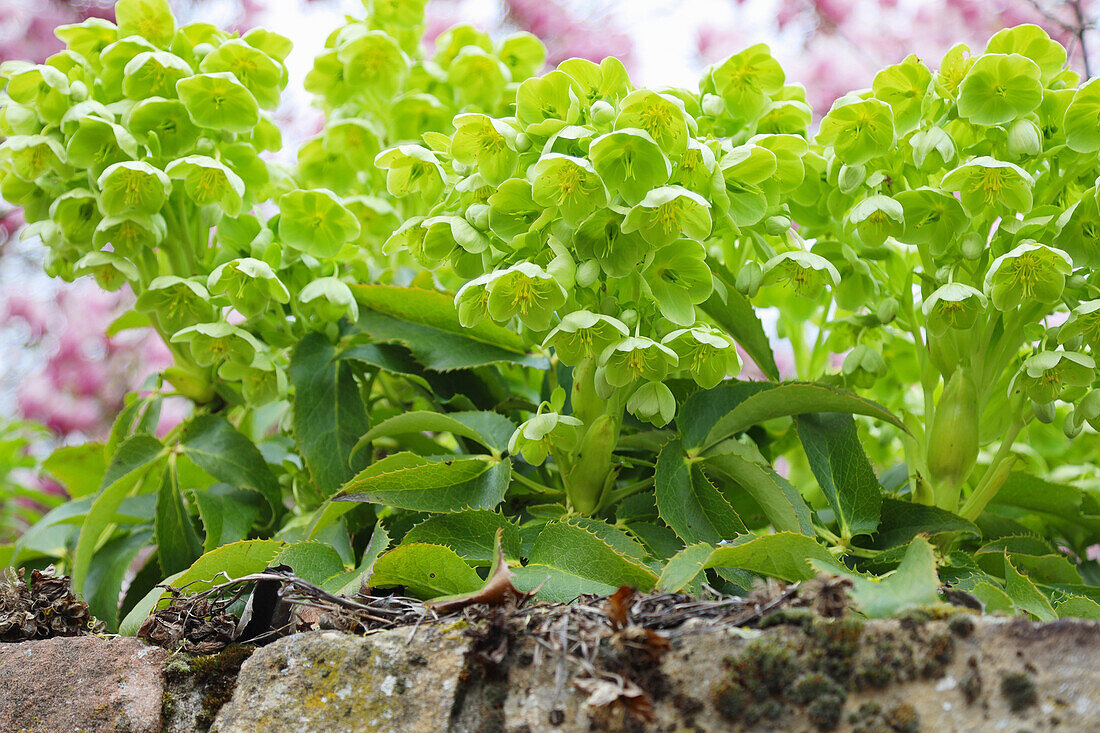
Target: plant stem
629, 490
535, 485
994, 476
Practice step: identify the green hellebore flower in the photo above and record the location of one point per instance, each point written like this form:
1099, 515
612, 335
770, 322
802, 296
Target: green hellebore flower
1082, 130
373, 62
111, 271
478, 77
150, 19
319, 164
990, 187
630, 163
876, 218
451, 42
257, 71
1044, 375
97, 143
607, 81
76, 214
249, 284
153, 74
660, 115
1079, 232
582, 334
220, 102
33, 156
1083, 321
472, 300
206, 182
954, 305
42, 87
807, 273
315, 222
523, 53
547, 103
328, 299
1030, 272
708, 354
115, 56
214, 343
274, 45
163, 124
600, 236
634, 358
487, 143
858, 129
1086, 410
525, 291
411, 169
679, 278
377, 217
698, 170
1000, 88
88, 38
1033, 42
904, 86
355, 139
932, 218
130, 234
788, 151
261, 381
746, 80
669, 213
178, 303
1025, 139
786, 117
654, 403
401, 13
569, 183
132, 187
535, 438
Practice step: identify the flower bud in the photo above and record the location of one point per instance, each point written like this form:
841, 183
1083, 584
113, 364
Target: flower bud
654, 403
887, 310
587, 273
523, 143
749, 278
629, 317
863, 366
478, 216
713, 105
1043, 411
851, 177
973, 244
954, 437
78, 91
776, 225
602, 113
1024, 138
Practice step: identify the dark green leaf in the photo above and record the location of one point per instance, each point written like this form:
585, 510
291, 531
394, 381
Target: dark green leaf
311, 561
901, 521
79, 468
733, 312
842, 469
329, 414
109, 568
470, 534
785, 555
426, 571
1025, 595
434, 486
487, 428
221, 450
782, 504
703, 409
689, 503
227, 513
178, 543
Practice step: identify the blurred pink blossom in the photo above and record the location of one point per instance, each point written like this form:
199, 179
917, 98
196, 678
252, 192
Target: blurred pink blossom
569, 35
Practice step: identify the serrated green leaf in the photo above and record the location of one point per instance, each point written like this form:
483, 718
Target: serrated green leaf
784, 555
350, 582
426, 571
227, 513
312, 561
123, 472
689, 503
901, 521
490, 429
1025, 595
225, 453
450, 485
470, 534
703, 409
842, 470
1059, 503
794, 398
782, 504
329, 414
914, 583
1078, 607
568, 560
178, 543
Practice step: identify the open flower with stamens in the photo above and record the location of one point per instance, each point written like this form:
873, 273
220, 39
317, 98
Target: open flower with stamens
669, 213
1044, 375
989, 187
1030, 272
708, 354
954, 305
525, 291
582, 334
571, 184
634, 358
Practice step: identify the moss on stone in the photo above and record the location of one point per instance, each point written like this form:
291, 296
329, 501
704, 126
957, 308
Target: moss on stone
1019, 691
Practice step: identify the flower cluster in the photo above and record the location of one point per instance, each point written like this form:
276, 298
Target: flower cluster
595, 216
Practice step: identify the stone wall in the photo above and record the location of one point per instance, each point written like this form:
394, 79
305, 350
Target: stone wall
962, 673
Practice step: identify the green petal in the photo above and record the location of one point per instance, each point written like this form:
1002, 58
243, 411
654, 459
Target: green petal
132, 187
315, 222
219, 101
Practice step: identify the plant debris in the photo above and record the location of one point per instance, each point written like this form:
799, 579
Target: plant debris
41, 608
